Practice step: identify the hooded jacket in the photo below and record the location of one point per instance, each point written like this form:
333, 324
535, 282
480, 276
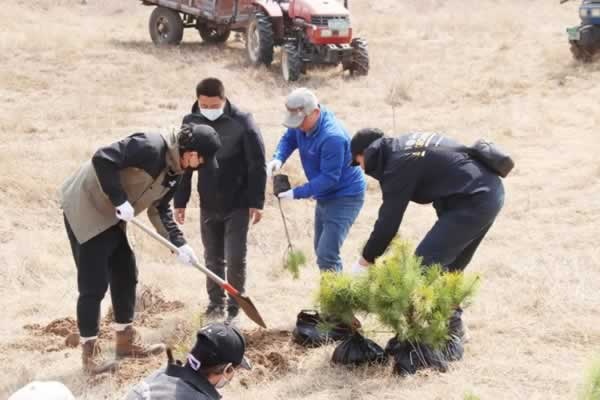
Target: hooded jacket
143, 168
419, 167
241, 178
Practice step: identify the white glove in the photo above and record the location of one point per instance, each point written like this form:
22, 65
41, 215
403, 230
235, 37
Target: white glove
287, 195
125, 211
358, 269
273, 166
186, 255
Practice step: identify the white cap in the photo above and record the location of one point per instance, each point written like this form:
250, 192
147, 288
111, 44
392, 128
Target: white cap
37, 390
300, 103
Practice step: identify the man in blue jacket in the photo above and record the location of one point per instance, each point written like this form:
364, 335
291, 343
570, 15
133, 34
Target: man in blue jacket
338, 187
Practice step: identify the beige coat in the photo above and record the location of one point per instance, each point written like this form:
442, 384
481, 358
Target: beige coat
90, 212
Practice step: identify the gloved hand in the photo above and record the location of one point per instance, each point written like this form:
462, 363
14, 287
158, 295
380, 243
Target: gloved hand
186, 255
360, 267
125, 211
273, 166
288, 195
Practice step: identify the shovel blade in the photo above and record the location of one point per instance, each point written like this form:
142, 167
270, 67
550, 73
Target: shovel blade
249, 309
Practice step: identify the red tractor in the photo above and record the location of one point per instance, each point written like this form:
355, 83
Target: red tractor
309, 32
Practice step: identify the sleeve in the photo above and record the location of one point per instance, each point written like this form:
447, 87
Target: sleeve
255, 158
389, 219
133, 151
184, 190
161, 217
331, 166
287, 145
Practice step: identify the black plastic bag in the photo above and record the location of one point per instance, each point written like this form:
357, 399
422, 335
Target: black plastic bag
454, 347
358, 350
409, 358
313, 331
281, 183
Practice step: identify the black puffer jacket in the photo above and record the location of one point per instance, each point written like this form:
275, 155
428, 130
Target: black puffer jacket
241, 178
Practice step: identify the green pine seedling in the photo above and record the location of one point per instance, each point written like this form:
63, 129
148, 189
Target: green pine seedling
341, 297
471, 396
415, 302
293, 261
591, 386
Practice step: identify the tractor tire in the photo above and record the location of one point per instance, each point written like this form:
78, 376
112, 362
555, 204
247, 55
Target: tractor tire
166, 27
359, 65
588, 46
580, 54
212, 35
259, 39
291, 63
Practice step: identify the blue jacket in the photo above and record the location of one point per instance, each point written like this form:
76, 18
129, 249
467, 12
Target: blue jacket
325, 155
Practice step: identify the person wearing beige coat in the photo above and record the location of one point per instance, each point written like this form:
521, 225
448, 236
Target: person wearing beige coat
138, 173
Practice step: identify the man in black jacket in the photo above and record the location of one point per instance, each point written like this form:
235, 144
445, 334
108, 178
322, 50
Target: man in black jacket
229, 199
424, 168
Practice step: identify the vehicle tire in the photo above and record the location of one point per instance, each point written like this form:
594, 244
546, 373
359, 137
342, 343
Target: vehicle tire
166, 27
259, 39
359, 65
212, 35
291, 63
579, 54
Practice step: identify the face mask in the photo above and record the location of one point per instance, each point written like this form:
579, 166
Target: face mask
222, 382
211, 114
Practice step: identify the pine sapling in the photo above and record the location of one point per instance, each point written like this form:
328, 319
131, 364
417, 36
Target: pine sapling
591, 386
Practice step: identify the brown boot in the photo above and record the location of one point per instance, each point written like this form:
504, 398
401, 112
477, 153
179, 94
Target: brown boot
130, 344
93, 361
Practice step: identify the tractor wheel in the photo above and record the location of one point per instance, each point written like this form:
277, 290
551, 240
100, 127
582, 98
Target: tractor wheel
259, 39
580, 54
291, 63
212, 35
360, 57
166, 27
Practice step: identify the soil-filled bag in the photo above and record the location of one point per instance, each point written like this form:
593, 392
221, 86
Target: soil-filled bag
409, 358
314, 331
281, 183
454, 349
358, 350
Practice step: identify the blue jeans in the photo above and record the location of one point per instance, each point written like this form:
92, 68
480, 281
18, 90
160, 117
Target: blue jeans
333, 219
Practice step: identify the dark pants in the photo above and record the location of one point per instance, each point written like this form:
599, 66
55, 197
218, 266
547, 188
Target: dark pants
461, 226
224, 235
104, 260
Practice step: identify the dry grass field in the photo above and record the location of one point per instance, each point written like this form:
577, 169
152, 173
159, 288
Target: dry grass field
74, 77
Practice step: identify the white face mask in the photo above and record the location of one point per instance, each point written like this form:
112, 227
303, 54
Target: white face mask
211, 114
222, 382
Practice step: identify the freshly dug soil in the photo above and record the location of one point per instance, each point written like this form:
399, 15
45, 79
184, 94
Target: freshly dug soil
272, 354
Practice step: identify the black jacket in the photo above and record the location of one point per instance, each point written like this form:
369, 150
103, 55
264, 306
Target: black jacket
174, 383
434, 175
241, 178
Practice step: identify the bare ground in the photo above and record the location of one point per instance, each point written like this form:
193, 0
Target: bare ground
75, 77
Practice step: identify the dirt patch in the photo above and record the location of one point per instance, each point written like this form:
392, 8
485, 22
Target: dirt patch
272, 354
150, 300
150, 304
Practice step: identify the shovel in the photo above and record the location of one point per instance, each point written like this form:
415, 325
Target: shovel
243, 301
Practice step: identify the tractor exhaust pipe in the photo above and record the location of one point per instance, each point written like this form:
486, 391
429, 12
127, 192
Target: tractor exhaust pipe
346, 4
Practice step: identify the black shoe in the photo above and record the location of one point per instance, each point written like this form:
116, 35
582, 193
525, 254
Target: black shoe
214, 312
